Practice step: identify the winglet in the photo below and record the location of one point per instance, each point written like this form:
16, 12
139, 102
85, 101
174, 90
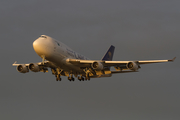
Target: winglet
14, 64
172, 60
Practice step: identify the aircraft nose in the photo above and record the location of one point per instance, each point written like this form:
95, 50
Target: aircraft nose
38, 47
37, 44
42, 47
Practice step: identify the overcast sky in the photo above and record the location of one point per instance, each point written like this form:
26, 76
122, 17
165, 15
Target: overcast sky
139, 29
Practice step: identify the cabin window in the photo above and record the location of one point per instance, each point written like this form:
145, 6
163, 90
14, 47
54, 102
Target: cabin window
57, 43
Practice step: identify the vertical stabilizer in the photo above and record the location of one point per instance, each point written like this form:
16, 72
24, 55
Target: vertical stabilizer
109, 54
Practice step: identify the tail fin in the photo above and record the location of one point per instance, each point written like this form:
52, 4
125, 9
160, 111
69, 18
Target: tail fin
109, 54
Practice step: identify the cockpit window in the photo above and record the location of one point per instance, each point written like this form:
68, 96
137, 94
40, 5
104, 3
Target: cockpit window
43, 36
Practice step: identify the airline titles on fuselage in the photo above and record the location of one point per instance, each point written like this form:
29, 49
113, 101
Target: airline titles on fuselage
75, 55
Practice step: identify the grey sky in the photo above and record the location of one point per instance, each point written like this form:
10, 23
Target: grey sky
140, 30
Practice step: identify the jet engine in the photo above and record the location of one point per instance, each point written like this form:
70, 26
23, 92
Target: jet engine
34, 67
132, 66
97, 66
22, 68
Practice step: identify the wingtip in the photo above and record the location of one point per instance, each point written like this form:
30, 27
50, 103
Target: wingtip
14, 63
172, 60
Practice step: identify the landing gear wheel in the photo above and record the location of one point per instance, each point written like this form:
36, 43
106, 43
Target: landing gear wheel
58, 78
71, 78
80, 78
87, 78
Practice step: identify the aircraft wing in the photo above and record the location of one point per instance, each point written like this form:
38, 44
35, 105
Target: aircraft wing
35, 67
139, 62
27, 64
87, 63
46, 64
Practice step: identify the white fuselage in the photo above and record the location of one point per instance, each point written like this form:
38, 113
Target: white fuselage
57, 53
63, 61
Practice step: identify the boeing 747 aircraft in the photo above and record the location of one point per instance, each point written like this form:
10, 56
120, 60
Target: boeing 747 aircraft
63, 61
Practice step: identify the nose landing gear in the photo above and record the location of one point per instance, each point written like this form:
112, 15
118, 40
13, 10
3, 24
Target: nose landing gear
57, 73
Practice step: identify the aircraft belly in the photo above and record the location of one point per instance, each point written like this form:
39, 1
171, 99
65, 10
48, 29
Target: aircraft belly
60, 61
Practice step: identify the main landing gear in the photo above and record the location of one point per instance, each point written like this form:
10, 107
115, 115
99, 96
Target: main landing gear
87, 71
58, 78
57, 73
87, 77
71, 78
81, 78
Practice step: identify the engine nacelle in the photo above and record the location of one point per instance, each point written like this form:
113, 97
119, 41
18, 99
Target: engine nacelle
97, 66
132, 66
22, 68
34, 67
